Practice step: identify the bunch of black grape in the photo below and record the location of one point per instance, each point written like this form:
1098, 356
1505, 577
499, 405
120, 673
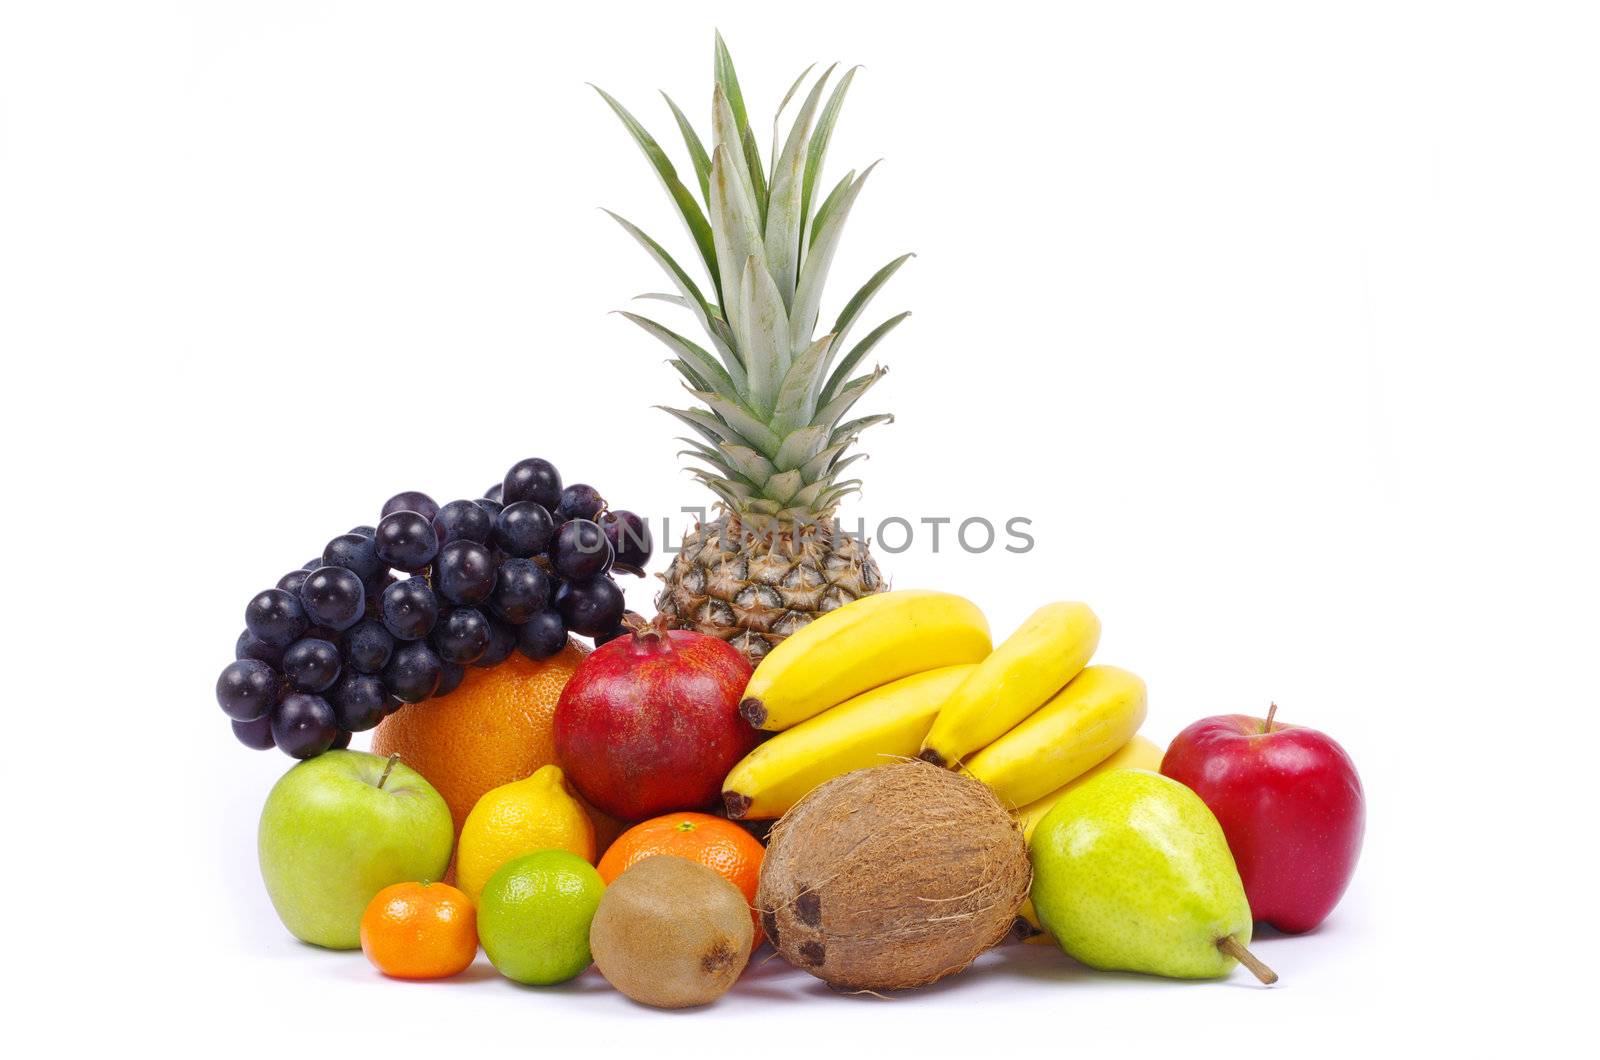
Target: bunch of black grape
346, 640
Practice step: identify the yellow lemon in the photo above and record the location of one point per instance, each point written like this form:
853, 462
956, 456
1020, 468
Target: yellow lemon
538, 813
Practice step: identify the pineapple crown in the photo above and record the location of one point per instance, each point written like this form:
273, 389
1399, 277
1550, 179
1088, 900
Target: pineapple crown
773, 397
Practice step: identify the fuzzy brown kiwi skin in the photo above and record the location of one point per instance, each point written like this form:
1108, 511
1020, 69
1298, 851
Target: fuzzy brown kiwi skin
892, 877
671, 933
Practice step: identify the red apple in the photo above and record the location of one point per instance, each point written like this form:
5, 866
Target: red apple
1290, 804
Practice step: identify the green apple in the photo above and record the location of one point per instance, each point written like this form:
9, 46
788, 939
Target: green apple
339, 828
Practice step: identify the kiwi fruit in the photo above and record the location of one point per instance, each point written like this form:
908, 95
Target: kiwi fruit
671, 933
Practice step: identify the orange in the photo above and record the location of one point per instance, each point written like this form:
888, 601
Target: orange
420, 931
493, 729
714, 842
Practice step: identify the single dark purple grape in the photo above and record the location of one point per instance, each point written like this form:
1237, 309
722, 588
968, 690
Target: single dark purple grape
367, 646
410, 609
340, 742
248, 647
532, 480
609, 635
581, 551
493, 492
276, 617
411, 501
502, 642
630, 539
463, 521
524, 529
363, 530
521, 590
579, 501
591, 607
490, 505
247, 689
334, 597
312, 564
311, 665
406, 540
413, 672
542, 636
256, 735
359, 701
460, 636
291, 582
303, 726
450, 676
464, 572
355, 553
394, 704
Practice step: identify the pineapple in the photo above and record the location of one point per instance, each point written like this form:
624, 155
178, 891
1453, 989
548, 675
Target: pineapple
770, 394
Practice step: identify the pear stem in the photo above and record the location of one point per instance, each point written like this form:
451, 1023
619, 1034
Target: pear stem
388, 768
1270, 712
1230, 945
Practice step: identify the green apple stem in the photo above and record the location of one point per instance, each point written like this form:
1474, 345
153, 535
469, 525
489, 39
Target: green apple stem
387, 769
1270, 712
1231, 946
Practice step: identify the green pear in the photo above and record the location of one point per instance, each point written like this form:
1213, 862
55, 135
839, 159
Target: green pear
1131, 872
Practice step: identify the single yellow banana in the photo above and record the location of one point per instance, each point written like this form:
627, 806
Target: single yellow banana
1095, 714
864, 644
873, 728
1137, 753
1031, 665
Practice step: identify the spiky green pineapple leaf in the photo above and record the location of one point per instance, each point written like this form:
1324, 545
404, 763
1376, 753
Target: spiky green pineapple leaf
862, 298
762, 327
842, 371
795, 405
698, 156
705, 365
750, 464
814, 272
831, 413
817, 150
828, 203
784, 217
800, 447
747, 429
693, 299
783, 486
718, 328
817, 468
777, 118
738, 238
849, 430
688, 209
704, 424
728, 81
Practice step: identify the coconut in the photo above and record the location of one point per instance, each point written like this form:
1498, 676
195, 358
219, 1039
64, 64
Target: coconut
892, 877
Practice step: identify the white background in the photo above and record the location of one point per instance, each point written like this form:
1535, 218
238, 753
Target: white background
1279, 321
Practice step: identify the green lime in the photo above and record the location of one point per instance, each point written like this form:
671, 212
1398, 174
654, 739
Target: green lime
534, 913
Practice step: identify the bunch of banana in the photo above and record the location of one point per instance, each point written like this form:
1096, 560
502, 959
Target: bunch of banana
857, 687
911, 672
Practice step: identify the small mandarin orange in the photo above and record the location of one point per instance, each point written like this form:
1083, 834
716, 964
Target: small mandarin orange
715, 842
420, 931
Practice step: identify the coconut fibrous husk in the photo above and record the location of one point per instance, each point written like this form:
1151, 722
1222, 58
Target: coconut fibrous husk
892, 877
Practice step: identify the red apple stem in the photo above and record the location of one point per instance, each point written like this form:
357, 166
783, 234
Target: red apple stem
1270, 712
1232, 947
387, 769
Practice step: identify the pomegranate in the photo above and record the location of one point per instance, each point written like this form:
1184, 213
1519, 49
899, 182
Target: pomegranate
649, 723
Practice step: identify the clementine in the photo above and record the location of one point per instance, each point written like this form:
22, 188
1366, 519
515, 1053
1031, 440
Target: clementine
420, 931
495, 728
715, 842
